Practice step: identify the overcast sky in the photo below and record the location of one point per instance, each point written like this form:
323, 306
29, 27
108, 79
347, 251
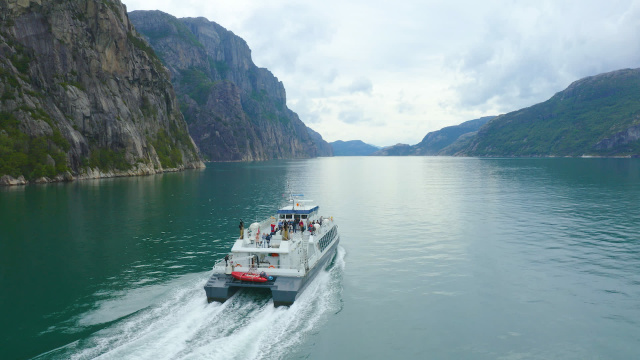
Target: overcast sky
389, 72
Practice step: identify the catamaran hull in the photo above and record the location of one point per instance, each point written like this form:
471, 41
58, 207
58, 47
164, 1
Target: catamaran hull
284, 289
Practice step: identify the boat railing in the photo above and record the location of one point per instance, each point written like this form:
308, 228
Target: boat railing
220, 264
276, 239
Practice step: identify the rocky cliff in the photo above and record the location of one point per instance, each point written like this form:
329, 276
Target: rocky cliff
595, 116
235, 110
83, 95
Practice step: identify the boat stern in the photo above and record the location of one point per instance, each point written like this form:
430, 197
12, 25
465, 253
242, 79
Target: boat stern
217, 288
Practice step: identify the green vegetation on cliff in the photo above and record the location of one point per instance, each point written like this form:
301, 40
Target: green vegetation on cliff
108, 159
197, 84
32, 157
597, 115
168, 153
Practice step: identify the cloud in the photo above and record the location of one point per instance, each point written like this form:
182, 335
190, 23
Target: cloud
353, 116
284, 32
529, 53
360, 85
404, 106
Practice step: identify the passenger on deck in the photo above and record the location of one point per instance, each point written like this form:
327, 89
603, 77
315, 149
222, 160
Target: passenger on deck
293, 225
273, 228
241, 226
285, 235
301, 226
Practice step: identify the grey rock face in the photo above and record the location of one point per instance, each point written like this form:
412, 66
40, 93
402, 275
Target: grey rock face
235, 110
77, 74
619, 140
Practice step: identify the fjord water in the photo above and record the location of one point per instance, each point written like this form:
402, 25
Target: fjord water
439, 258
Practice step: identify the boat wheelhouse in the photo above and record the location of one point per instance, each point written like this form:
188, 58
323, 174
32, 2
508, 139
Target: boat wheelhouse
282, 253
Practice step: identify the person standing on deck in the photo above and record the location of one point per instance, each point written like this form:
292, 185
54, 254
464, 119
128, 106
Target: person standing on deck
241, 226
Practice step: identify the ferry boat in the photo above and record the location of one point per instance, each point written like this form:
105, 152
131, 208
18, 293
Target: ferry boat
284, 259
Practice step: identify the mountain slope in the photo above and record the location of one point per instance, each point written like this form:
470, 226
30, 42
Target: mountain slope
446, 141
83, 95
597, 115
352, 148
235, 110
395, 150
434, 142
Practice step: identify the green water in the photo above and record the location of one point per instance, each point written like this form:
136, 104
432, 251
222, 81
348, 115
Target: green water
439, 258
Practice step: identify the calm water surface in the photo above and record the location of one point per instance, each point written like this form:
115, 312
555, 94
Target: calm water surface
440, 258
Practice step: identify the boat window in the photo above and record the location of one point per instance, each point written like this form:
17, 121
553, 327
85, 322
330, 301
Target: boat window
303, 216
281, 216
288, 216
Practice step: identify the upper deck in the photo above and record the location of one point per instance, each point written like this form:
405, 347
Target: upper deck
298, 210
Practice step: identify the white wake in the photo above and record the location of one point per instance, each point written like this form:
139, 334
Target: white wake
181, 325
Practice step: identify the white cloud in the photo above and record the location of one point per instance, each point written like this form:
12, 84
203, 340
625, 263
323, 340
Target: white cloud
387, 72
360, 85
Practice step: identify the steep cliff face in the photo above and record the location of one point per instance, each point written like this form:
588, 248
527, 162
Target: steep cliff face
235, 110
82, 94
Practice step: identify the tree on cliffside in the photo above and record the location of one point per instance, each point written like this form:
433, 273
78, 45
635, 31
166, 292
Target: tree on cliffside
82, 94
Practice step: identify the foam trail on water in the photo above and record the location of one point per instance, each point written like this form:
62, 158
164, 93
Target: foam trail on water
183, 326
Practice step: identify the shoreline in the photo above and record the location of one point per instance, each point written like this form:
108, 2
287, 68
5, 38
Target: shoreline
92, 174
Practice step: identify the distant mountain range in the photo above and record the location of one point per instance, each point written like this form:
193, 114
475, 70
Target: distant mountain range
595, 116
445, 141
352, 148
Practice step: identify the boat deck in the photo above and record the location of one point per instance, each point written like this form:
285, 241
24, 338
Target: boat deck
292, 258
